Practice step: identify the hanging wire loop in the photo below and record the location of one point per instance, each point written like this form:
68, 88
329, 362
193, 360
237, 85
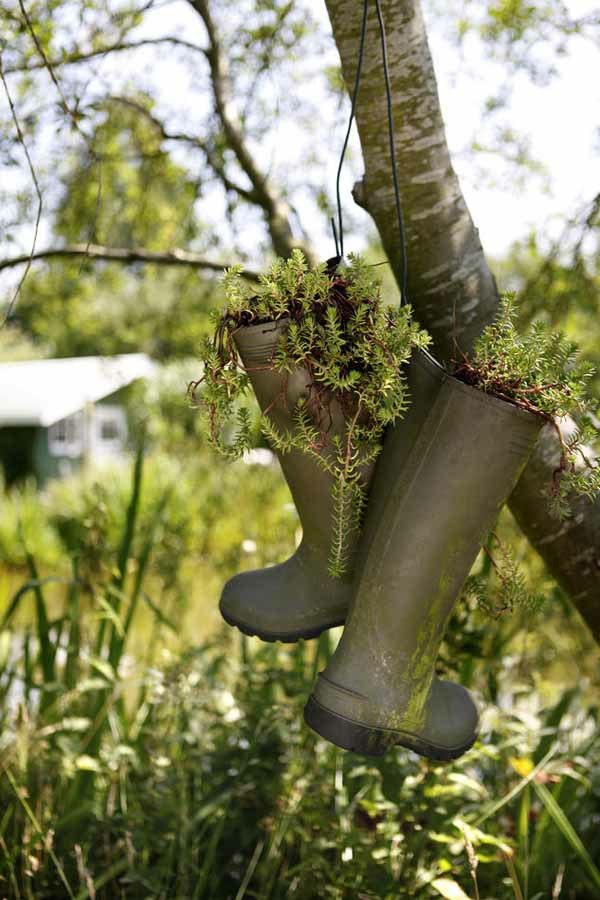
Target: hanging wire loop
359, 65
392, 147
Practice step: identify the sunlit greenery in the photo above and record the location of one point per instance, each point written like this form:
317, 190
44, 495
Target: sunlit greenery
541, 371
146, 750
144, 758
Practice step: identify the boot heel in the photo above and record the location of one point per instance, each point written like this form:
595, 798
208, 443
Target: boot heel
344, 733
283, 637
368, 741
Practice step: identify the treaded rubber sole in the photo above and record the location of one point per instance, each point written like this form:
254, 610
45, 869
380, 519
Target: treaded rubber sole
369, 741
285, 637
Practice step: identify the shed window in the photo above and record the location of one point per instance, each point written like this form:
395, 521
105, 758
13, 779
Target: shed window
65, 438
111, 428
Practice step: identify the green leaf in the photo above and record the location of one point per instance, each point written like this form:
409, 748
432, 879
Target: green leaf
105, 669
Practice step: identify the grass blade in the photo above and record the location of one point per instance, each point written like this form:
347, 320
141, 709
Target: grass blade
29, 585
74, 635
126, 541
523, 836
551, 724
562, 823
208, 864
103, 879
118, 642
33, 819
47, 651
514, 880
497, 805
131, 516
160, 615
11, 869
250, 870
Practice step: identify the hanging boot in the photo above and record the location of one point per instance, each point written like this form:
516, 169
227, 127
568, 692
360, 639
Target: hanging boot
298, 598
428, 515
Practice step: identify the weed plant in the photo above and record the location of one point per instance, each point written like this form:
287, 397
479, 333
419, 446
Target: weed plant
538, 370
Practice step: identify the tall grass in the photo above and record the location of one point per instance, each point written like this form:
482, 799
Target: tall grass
194, 777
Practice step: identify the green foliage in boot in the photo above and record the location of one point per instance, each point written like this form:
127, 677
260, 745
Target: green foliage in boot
352, 348
539, 370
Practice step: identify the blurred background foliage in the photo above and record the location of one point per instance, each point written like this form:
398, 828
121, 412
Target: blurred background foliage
146, 750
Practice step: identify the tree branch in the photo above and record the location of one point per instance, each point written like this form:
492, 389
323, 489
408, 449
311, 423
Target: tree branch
123, 255
192, 140
570, 548
71, 113
118, 47
275, 209
449, 281
36, 184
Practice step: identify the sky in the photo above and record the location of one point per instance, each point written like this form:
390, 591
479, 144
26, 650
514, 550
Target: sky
561, 121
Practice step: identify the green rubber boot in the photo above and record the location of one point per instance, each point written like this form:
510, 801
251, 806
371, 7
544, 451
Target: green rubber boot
298, 599
429, 512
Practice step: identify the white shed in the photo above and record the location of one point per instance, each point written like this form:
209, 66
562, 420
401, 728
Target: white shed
55, 413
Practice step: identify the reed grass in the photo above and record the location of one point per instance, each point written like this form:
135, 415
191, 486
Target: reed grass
191, 775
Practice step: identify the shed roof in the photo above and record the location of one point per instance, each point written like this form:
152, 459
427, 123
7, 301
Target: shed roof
43, 391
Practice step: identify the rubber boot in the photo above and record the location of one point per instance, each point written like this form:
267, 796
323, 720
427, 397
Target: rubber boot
298, 599
434, 509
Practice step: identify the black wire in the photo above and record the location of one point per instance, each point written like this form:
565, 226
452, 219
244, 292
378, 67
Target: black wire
335, 238
388, 91
390, 117
361, 53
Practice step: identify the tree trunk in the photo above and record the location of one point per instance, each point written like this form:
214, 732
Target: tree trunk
450, 285
570, 548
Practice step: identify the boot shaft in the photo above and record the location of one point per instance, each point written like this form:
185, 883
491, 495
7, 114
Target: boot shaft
277, 393
429, 513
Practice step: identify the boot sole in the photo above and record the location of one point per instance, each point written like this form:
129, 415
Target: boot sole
285, 637
369, 741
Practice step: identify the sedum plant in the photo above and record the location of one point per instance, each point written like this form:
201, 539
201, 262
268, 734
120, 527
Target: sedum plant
539, 371
353, 348
501, 586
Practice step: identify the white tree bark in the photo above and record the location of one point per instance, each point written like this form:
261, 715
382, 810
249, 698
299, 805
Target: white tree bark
450, 285
449, 281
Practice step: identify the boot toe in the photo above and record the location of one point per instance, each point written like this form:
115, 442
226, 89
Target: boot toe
453, 720
244, 602
283, 602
